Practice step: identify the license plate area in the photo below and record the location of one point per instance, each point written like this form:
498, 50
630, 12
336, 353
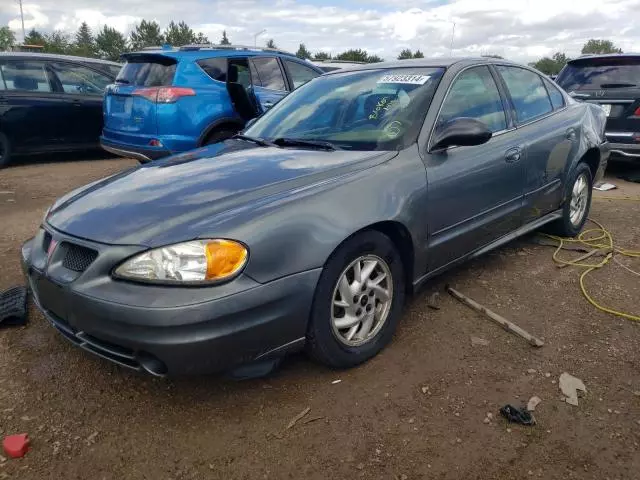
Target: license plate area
51, 297
121, 105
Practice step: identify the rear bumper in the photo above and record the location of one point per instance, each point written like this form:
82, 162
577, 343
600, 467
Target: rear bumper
625, 151
143, 154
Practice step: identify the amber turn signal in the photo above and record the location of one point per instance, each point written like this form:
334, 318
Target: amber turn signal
224, 258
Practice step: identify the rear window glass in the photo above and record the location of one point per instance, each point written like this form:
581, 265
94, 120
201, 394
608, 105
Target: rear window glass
600, 73
26, 76
146, 72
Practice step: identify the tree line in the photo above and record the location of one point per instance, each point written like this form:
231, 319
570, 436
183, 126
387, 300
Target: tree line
108, 43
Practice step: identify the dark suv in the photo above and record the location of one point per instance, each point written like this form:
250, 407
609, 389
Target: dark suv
613, 82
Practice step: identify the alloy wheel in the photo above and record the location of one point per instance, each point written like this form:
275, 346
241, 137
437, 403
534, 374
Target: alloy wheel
579, 200
361, 300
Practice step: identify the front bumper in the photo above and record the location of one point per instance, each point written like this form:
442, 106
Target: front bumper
167, 330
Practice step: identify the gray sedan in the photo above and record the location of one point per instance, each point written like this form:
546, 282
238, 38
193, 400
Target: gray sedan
309, 229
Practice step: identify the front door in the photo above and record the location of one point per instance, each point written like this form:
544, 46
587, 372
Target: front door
268, 81
475, 194
82, 89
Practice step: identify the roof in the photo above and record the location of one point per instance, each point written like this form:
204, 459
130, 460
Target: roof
197, 50
55, 56
443, 62
591, 56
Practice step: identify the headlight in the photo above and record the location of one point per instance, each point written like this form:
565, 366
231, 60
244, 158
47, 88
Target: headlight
199, 261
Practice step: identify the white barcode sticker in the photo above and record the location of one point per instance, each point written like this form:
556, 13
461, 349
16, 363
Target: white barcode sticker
409, 79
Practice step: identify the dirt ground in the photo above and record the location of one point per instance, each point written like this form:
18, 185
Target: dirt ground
417, 411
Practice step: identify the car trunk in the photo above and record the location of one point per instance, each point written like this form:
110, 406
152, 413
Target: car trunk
126, 108
613, 83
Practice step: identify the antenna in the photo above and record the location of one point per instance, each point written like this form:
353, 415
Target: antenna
24, 35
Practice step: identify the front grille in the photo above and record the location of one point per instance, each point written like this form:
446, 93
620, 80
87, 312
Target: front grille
78, 258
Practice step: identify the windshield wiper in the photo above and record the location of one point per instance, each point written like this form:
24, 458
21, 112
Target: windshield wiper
300, 142
123, 81
257, 141
617, 85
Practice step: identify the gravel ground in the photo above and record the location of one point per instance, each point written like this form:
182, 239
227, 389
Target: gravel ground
418, 410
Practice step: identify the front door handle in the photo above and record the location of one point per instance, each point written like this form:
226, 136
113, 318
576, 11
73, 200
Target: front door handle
513, 155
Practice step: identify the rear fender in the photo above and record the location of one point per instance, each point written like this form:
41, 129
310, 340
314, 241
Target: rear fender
591, 135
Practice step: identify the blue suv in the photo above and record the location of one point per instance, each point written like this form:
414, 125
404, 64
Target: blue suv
169, 100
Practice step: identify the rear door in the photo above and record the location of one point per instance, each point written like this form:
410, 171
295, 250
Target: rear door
270, 85
29, 110
82, 88
614, 83
549, 133
129, 104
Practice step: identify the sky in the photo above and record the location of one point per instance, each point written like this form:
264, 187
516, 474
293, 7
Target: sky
521, 30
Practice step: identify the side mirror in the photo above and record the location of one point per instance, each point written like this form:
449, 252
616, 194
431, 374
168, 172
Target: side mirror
461, 132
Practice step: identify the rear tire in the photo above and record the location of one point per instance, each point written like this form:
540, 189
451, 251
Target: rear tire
5, 150
219, 136
346, 329
577, 203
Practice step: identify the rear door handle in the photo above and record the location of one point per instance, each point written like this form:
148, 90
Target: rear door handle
513, 155
571, 134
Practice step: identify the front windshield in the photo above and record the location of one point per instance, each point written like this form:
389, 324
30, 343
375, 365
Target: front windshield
380, 109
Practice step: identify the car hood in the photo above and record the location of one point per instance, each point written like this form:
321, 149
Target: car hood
153, 201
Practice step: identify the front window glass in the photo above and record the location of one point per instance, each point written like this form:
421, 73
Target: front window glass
80, 80
380, 109
474, 94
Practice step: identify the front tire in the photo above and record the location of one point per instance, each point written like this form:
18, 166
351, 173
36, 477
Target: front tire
577, 204
358, 301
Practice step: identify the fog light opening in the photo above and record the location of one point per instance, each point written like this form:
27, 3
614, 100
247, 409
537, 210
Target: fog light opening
155, 143
152, 364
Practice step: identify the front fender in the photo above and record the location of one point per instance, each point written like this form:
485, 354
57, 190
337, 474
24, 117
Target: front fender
299, 232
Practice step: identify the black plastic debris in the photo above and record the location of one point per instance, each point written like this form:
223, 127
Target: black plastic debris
13, 306
517, 415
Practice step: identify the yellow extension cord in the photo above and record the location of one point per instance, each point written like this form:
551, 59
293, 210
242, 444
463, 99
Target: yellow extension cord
602, 240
